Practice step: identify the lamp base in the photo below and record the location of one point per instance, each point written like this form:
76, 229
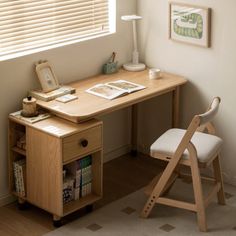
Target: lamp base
134, 67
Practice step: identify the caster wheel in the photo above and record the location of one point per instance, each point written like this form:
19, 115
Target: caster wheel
23, 206
89, 208
134, 153
57, 223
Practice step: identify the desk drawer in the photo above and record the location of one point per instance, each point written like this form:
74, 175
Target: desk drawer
81, 143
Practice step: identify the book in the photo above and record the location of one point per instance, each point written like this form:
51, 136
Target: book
41, 116
77, 193
86, 176
73, 169
86, 170
80, 171
16, 178
86, 189
66, 98
114, 89
127, 86
19, 168
21, 180
63, 90
68, 189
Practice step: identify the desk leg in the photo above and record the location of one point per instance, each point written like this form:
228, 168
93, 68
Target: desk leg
175, 108
134, 130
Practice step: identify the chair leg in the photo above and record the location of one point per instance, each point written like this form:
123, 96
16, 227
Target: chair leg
198, 194
168, 186
158, 189
219, 179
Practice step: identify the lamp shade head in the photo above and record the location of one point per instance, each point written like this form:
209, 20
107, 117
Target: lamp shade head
131, 17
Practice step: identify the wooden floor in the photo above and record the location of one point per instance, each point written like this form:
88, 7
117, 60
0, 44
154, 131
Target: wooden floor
122, 176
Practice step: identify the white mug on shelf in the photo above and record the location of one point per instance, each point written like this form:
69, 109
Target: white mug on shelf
154, 73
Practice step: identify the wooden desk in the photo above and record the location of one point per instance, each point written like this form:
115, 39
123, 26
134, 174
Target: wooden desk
89, 106
54, 143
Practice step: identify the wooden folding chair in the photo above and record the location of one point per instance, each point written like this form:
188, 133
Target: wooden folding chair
194, 149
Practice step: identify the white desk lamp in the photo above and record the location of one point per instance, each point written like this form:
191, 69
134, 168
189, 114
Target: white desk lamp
134, 65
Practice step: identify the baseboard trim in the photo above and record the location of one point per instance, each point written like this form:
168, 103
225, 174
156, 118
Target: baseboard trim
144, 149
116, 153
7, 199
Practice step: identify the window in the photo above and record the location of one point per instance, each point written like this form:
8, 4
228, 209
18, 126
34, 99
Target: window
28, 26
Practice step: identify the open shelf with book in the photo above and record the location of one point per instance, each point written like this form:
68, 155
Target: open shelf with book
85, 175
43, 150
17, 159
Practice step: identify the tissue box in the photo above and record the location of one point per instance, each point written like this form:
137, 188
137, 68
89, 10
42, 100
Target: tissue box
110, 67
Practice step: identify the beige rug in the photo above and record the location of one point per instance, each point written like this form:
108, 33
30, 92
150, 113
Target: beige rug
121, 218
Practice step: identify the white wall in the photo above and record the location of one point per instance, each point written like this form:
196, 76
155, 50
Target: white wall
70, 63
211, 72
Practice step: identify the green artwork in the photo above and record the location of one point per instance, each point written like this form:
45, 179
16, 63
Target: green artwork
188, 24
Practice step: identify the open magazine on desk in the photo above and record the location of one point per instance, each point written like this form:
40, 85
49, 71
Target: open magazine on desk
115, 89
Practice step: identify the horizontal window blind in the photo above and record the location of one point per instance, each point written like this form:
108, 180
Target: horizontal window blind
29, 25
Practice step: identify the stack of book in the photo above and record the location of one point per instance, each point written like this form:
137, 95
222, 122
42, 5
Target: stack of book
63, 90
73, 169
78, 179
19, 168
86, 176
41, 116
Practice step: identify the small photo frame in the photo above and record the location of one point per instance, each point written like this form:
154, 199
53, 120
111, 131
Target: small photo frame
47, 77
190, 24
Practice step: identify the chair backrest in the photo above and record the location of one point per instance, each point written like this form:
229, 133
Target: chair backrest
210, 114
197, 121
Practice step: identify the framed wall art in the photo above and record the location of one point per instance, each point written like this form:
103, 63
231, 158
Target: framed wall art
47, 77
190, 24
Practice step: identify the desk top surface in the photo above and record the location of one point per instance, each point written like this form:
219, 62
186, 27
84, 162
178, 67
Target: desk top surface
88, 105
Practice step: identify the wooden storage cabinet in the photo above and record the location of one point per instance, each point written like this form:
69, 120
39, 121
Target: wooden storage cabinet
51, 144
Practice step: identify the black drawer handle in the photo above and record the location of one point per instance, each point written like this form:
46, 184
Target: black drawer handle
84, 142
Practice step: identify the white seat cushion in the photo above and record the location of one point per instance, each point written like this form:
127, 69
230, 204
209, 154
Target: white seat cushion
206, 145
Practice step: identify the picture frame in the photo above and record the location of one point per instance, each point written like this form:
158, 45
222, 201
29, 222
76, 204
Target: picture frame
190, 24
47, 77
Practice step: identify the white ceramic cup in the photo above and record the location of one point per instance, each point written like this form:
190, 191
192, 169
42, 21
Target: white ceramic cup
154, 73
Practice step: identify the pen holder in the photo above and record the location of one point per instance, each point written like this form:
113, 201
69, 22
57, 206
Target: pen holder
110, 67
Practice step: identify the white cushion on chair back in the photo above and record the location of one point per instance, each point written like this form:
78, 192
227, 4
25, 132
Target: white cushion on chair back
209, 115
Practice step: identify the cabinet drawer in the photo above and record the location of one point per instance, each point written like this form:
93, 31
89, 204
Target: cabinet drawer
81, 143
